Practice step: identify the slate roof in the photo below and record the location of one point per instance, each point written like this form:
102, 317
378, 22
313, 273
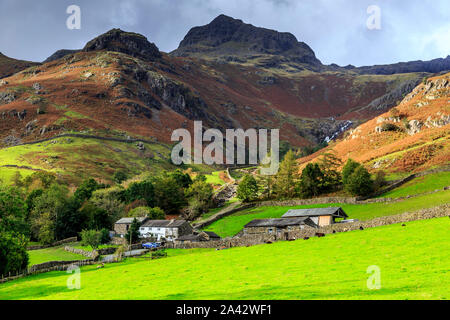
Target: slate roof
199, 237
281, 223
212, 234
335, 212
130, 220
163, 223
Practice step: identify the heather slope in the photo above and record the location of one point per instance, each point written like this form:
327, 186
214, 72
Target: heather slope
412, 137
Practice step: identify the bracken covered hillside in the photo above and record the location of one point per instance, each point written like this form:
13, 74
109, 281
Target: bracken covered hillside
9, 66
412, 137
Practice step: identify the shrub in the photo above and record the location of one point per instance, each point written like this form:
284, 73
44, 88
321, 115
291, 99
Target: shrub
380, 180
105, 238
389, 127
360, 183
348, 170
247, 189
92, 238
159, 254
120, 176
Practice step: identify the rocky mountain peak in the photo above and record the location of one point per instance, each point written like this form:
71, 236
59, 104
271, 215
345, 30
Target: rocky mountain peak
226, 36
133, 44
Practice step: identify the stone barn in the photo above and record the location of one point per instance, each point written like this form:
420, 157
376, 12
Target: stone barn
320, 216
278, 226
122, 226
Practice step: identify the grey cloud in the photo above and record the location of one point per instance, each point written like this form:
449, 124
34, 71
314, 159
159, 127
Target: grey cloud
336, 30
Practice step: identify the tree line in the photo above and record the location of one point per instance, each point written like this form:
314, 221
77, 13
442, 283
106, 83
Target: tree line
42, 208
322, 177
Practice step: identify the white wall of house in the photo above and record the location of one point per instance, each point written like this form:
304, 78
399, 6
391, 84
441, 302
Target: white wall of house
170, 234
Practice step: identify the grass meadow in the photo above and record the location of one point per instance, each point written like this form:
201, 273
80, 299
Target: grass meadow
233, 224
414, 262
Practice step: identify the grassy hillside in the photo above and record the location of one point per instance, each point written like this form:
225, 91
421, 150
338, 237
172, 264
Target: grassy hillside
334, 267
421, 185
77, 158
231, 225
52, 254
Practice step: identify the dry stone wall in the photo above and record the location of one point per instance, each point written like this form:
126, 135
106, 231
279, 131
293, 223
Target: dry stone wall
251, 240
55, 244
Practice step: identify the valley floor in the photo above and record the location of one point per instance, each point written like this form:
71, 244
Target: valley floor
414, 262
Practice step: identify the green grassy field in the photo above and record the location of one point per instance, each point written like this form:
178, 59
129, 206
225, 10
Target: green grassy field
420, 185
7, 174
214, 178
52, 254
414, 262
231, 225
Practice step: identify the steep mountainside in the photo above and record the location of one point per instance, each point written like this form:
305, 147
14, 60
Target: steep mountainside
121, 86
9, 66
412, 137
233, 40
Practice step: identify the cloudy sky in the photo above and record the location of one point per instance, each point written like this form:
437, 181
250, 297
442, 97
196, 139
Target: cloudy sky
335, 29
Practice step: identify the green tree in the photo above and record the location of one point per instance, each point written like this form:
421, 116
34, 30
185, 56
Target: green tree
92, 238
70, 220
31, 197
183, 179
248, 189
95, 217
105, 237
13, 253
50, 206
151, 213
169, 196
156, 214
120, 176
133, 232
13, 211
110, 200
287, 177
348, 170
202, 192
360, 183
85, 190
46, 179
143, 190
329, 165
312, 181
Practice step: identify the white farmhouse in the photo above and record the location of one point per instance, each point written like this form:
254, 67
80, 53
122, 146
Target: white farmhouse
168, 230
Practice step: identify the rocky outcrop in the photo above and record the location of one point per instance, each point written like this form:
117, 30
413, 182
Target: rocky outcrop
393, 97
129, 43
7, 97
60, 54
235, 40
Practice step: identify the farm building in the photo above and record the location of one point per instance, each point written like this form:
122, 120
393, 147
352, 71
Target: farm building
320, 216
199, 237
278, 226
122, 226
168, 230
